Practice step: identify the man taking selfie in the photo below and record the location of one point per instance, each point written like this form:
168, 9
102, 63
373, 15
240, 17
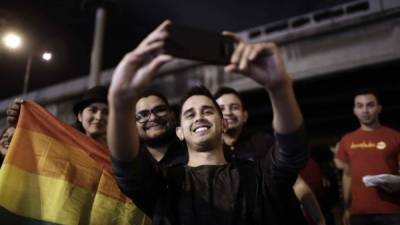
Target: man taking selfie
208, 189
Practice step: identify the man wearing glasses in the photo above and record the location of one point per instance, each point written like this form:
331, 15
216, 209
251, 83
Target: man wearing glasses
156, 127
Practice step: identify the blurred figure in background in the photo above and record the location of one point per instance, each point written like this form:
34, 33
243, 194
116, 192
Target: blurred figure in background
5, 140
91, 113
241, 143
372, 149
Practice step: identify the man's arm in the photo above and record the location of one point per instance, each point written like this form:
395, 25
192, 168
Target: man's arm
132, 75
136, 175
263, 63
309, 201
346, 188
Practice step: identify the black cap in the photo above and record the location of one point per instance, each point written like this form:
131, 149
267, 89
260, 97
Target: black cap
94, 94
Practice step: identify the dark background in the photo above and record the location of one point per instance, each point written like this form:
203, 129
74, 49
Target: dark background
66, 28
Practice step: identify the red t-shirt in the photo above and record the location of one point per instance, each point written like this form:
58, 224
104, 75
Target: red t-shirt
371, 153
312, 175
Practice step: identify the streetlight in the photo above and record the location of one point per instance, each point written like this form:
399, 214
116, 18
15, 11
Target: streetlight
14, 41
47, 56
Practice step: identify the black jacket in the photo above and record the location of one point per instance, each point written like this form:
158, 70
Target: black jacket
256, 190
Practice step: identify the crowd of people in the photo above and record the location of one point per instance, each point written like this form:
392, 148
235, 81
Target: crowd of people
202, 165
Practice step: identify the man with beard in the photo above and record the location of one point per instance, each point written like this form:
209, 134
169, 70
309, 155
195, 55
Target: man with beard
208, 189
156, 125
372, 149
240, 143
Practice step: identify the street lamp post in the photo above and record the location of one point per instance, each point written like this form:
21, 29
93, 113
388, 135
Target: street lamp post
27, 73
97, 48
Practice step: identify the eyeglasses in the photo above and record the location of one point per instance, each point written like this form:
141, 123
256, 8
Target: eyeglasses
144, 115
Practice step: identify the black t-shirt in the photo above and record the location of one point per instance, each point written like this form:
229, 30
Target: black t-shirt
236, 193
256, 146
249, 146
208, 195
175, 154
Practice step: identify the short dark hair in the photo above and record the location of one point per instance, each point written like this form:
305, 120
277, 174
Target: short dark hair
148, 93
199, 90
367, 91
227, 90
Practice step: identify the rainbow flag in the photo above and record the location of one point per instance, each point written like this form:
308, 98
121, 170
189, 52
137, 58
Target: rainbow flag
53, 174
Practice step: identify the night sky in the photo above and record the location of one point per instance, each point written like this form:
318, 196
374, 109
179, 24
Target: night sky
66, 28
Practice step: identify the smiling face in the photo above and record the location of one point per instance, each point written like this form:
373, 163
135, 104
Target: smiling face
233, 112
5, 140
154, 121
94, 119
201, 124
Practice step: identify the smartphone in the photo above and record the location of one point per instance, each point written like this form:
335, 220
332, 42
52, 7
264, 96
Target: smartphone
189, 43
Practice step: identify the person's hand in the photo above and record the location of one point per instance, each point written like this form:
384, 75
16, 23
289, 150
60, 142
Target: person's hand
5, 140
346, 217
13, 111
389, 183
138, 67
260, 61
321, 222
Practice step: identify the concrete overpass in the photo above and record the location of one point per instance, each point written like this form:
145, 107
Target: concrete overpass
315, 45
